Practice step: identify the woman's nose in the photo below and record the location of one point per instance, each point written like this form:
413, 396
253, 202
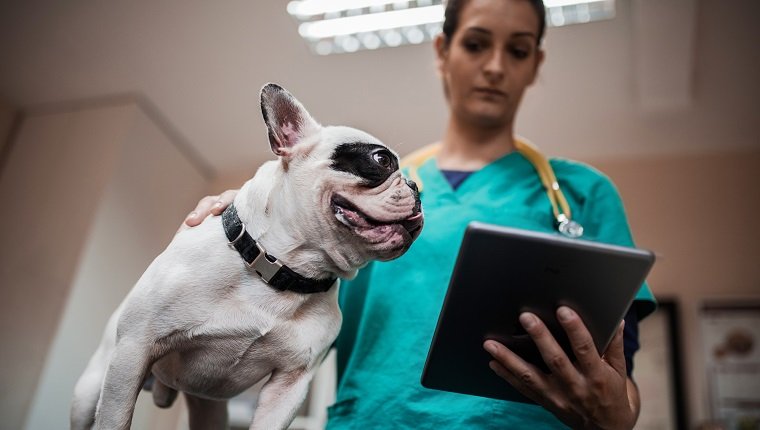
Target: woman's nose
494, 66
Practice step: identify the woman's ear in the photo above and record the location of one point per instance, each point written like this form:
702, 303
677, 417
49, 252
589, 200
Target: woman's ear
537, 67
441, 52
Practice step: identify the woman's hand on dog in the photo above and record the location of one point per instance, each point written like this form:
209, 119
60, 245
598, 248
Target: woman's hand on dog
209, 205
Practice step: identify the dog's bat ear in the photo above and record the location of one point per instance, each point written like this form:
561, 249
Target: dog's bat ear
286, 118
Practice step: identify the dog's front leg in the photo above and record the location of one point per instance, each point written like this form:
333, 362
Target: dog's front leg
124, 378
280, 399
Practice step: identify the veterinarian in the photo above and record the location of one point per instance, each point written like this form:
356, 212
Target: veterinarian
488, 55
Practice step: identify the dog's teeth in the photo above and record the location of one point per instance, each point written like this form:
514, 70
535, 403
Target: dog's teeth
341, 217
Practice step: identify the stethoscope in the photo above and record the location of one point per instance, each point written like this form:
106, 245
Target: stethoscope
561, 209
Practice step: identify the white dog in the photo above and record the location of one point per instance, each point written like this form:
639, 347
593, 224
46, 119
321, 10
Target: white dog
216, 312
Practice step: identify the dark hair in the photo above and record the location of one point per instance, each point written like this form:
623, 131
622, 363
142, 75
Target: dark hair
454, 9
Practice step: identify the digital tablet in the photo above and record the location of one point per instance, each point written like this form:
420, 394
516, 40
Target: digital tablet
501, 272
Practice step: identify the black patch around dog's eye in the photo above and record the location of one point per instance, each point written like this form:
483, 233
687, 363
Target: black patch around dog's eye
373, 163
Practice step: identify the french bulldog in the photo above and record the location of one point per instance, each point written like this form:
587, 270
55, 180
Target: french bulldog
253, 294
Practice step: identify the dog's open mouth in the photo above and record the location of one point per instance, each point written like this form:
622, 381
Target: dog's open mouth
351, 216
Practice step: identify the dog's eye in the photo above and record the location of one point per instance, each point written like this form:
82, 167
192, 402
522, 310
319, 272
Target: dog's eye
382, 159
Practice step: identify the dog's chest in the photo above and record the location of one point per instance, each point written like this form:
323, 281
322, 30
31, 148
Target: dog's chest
242, 344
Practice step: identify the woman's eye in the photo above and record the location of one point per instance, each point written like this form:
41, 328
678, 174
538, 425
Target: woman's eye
519, 53
382, 159
473, 45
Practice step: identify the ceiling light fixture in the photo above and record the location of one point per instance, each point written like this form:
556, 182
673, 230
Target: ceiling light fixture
371, 22
335, 26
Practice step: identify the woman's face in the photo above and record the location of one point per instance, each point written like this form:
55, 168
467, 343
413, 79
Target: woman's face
490, 60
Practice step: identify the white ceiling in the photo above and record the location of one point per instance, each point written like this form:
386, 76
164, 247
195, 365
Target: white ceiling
201, 63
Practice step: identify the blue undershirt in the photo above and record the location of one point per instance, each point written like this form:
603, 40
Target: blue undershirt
631, 330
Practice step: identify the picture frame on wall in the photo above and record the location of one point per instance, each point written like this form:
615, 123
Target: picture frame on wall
658, 370
731, 346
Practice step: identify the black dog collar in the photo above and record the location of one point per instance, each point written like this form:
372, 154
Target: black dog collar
273, 272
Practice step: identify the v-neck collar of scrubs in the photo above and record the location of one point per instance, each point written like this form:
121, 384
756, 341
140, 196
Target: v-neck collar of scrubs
511, 167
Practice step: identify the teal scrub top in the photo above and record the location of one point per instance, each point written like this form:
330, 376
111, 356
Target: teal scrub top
390, 309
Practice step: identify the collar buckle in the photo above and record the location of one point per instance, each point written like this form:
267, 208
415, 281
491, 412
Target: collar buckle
262, 264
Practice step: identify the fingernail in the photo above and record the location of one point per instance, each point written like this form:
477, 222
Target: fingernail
527, 320
218, 204
490, 347
565, 314
192, 215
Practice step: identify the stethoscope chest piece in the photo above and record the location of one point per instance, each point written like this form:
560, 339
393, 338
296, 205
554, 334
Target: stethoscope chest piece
568, 227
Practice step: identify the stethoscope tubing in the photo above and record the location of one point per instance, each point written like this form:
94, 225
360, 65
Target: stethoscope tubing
564, 223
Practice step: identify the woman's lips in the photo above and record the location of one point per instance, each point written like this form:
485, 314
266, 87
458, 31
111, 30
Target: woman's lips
492, 92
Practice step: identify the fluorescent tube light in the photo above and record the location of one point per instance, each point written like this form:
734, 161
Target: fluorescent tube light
562, 3
319, 7
371, 22
336, 26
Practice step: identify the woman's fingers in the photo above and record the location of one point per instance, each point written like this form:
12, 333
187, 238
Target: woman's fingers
574, 392
224, 200
580, 340
515, 381
553, 354
614, 355
526, 378
209, 205
201, 211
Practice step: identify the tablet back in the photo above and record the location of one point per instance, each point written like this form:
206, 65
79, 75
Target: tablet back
501, 272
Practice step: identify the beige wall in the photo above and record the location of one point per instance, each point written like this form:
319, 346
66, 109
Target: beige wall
699, 213
96, 193
139, 212
55, 176
7, 117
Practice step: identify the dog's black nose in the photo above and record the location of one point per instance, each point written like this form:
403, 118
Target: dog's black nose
412, 185
417, 202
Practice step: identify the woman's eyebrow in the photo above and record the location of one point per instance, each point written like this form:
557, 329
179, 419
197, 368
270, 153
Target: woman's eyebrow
479, 30
485, 31
525, 34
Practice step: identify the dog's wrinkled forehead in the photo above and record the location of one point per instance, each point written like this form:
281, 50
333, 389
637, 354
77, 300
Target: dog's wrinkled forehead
372, 162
